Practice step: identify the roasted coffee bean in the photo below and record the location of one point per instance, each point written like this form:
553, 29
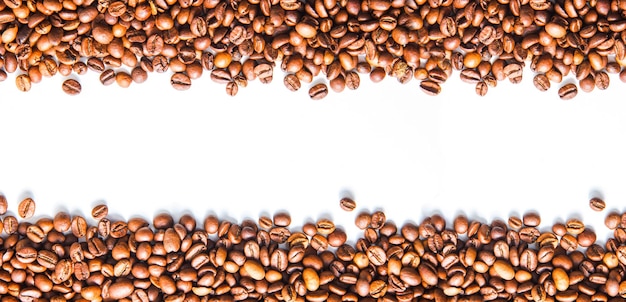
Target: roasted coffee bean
597, 204
347, 204
292, 82
71, 87
430, 88
4, 205
541, 81
568, 91
26, 208
107, 77
23, 83
180, 81
318, 91
353, 80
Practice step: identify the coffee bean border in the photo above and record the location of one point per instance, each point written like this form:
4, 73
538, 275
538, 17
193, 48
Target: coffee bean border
238, 41
65, 258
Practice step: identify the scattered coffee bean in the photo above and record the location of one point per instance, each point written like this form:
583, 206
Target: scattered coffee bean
71, 87
26, 208
318, 91
347, 204
568, 91
597, 204
99, 211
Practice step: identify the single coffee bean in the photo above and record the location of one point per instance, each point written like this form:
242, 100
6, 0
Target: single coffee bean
602, 80
232, 88
515, 222
23, 83
353, 80
292, 82
347, 204
587, 84
612, 220
430, 88
95, 64
531, 219
318, 91
71, 87
282, 219
26, 208
469, 75
541, 81
481, 88
107, 77
597, 204
4, 205
123, 79
568, 91
138, 75
574, 226
338, 84
79, 226
180, 81
100, 211
325, 226
586, 238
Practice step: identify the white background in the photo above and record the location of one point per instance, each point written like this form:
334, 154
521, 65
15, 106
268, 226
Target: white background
149, 148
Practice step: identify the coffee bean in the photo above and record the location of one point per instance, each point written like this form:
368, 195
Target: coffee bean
4, 205
541, 81
232, 88
481, 88
26, 208
602, 80
353, 81
597, 204
107, 77
568, 91
23, 83
347, 204
282, 219
180, 81
292, 82
574, 226
71, 87
430, 88
531, 219
318, 91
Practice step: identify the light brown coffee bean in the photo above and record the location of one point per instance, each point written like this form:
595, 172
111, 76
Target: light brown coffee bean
325, 226
531, 219
597, 204
23, 83
79, 226
574, 226
71, 87
541, 82
347, 204
318, 91
100, 211
26, 208
568, 91
4, 205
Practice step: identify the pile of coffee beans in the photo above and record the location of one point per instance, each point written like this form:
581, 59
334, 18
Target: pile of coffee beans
237, 41
66, 258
